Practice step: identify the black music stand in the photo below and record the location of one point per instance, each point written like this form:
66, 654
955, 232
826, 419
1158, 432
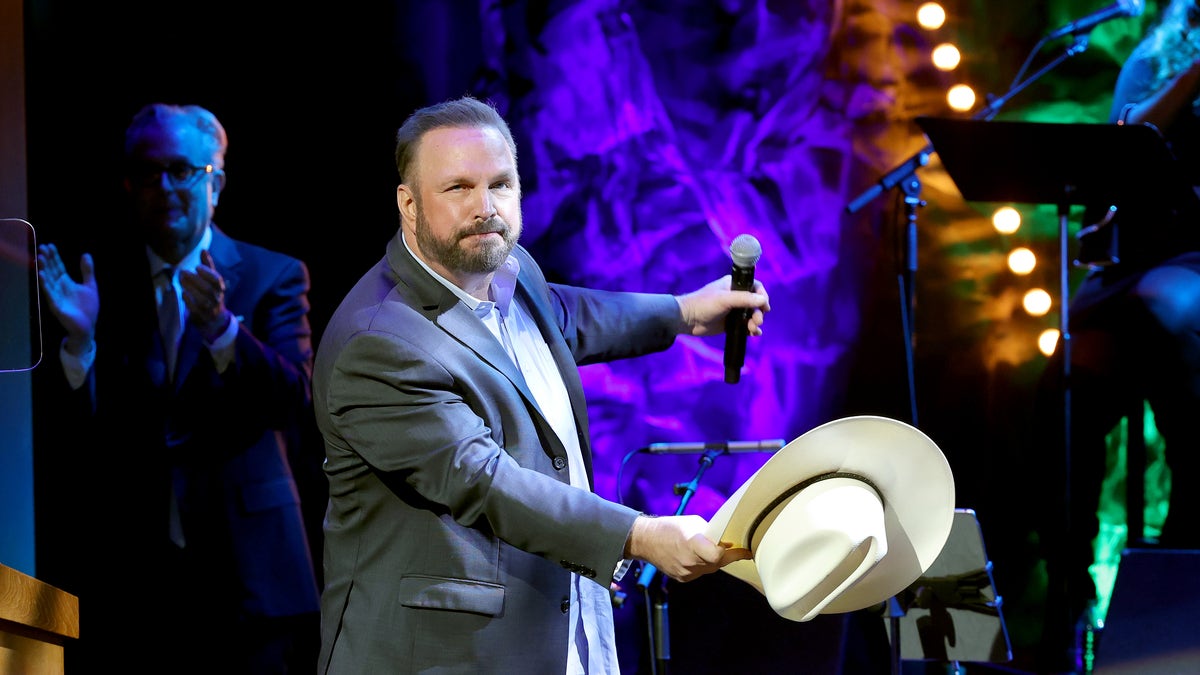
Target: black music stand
952, 613
1053, 163
1062, 164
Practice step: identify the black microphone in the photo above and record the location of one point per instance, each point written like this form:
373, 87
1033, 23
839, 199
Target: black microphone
724, 446
1117, 10
745, 251
662, 633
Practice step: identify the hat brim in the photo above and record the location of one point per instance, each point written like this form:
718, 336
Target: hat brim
907, 469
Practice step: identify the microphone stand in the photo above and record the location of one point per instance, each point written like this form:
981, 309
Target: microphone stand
656, 594
905, 173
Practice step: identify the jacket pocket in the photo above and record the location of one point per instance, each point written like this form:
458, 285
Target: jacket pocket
458, 595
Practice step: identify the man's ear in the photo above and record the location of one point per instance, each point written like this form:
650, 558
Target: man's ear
218, 184
406, 201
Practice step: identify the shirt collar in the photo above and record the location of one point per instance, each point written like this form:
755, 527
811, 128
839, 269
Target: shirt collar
501, 290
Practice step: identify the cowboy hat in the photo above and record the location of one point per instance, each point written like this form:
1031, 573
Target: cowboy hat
843, 517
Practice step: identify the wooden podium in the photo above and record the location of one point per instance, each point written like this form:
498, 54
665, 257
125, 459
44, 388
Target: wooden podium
36, 621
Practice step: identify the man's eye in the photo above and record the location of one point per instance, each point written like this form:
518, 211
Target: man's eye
180, 171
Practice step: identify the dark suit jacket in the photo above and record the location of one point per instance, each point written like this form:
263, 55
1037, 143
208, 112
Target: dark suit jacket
453, 529
218, 437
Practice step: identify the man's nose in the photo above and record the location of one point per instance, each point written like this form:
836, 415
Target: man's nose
485, 206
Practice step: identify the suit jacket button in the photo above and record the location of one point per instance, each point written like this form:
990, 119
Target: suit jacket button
560, 463
565, 606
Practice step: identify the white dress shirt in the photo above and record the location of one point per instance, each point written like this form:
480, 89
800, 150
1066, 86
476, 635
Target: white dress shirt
592, 647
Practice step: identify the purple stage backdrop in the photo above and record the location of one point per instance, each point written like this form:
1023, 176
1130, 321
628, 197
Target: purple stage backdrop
651, 134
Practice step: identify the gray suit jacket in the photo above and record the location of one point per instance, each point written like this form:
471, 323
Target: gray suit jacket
452, 528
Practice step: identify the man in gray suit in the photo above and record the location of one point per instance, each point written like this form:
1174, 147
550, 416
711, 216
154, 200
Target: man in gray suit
462, 534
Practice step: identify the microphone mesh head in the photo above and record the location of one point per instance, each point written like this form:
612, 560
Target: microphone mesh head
745, 250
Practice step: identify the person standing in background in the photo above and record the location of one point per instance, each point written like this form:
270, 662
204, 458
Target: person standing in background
185, 366
463, 534
1135, 329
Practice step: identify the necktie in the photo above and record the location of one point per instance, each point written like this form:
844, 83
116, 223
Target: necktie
170, 324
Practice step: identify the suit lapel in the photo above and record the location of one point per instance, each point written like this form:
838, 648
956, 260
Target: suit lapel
462, 324
563, 358
444, 309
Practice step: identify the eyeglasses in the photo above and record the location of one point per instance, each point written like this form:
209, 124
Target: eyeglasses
179, 174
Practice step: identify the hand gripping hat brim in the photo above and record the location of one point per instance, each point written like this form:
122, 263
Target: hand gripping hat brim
843, 517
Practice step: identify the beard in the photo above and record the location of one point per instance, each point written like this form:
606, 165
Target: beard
451, 254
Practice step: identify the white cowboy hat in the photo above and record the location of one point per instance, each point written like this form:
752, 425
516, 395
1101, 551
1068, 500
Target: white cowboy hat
844, 517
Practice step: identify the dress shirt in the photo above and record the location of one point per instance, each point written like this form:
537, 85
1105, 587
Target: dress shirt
592, 647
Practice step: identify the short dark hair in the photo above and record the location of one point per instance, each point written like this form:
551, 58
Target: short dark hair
467, 111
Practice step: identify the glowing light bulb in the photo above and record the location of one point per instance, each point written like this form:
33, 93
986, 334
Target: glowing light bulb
1021, 261
1006, 220
1047, 341
931, 16
946, 56
961, 97
1036, 302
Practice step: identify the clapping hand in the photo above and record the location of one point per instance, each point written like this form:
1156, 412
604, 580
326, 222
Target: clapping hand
76, 305
204, 295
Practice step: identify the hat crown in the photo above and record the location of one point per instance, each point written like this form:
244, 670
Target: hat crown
819, 544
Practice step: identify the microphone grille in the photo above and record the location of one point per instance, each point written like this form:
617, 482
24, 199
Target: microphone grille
745, 250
